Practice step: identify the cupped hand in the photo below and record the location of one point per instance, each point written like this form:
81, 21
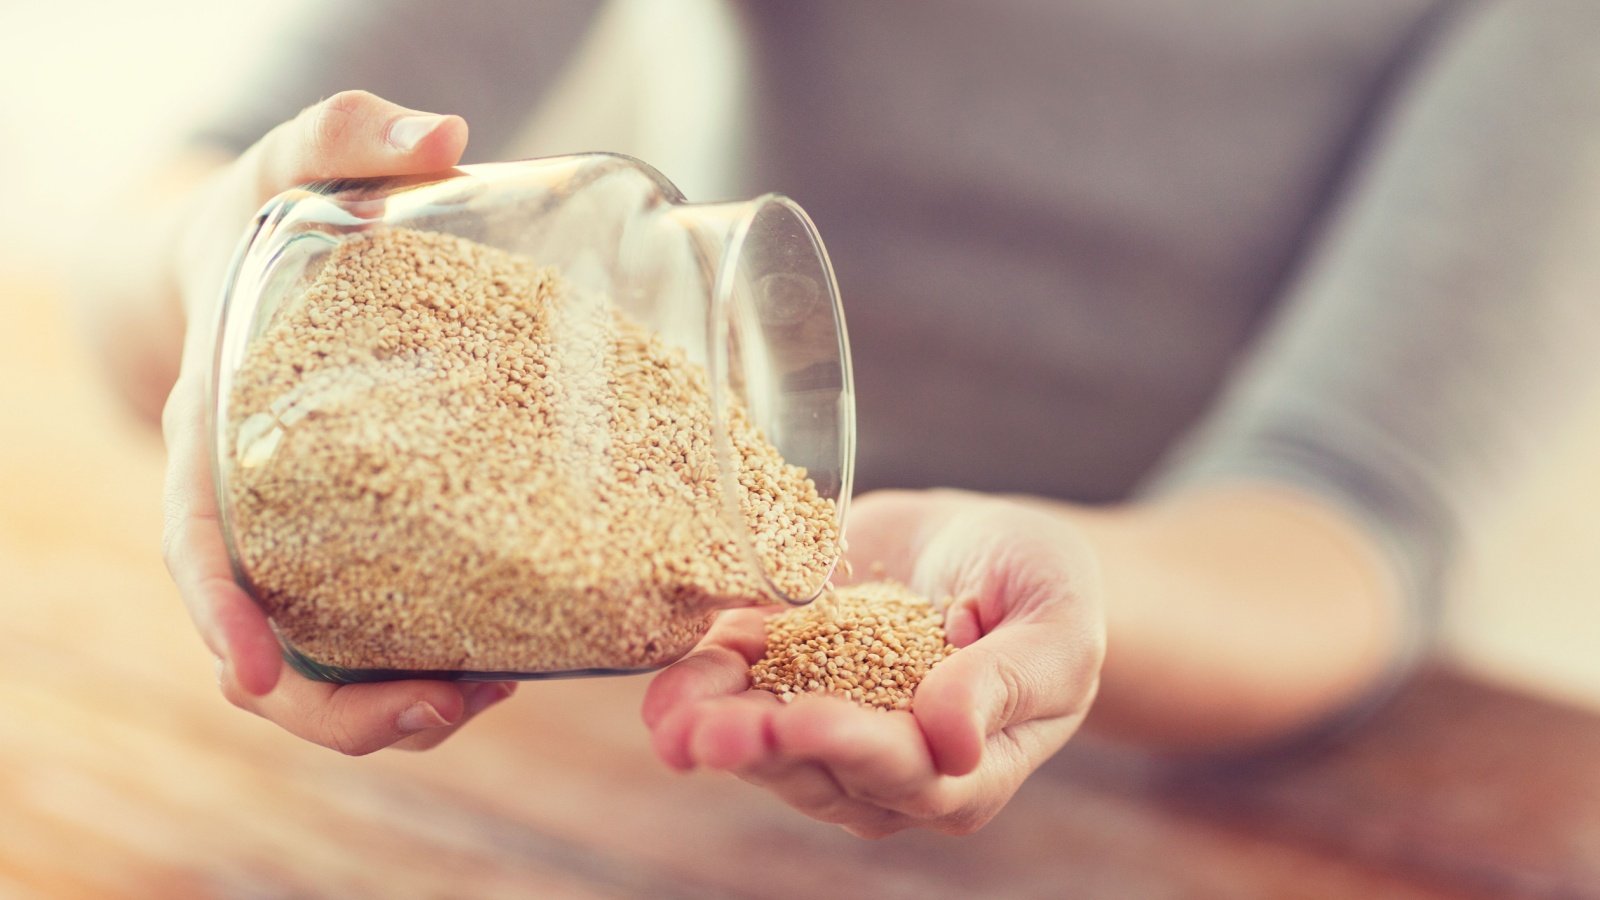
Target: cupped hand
352, 134
1026, 612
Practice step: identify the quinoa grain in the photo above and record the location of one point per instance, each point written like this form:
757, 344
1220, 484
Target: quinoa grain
872, 643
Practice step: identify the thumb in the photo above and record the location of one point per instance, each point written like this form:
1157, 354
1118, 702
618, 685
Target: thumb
1027, 619
353, 134
1015, 674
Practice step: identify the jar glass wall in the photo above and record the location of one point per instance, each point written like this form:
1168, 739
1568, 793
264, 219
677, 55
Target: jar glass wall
526, 419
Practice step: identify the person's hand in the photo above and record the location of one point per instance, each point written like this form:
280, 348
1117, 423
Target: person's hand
352, 134
1026, 613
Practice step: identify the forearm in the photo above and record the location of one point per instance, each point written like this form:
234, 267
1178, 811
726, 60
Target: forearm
1441, 326
1235, 615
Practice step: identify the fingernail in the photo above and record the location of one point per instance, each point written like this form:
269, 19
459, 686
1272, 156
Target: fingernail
407, 132
221, 667
483, 696
420, 716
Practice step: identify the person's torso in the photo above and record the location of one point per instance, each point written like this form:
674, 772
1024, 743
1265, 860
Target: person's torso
1056, 224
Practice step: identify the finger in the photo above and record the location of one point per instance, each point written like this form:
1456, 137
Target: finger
231, 624
703, 674
805, 763
1015, 674
719, 666
879, 757
353, 134
961, 623
811, 789
887, 822
355, 719
476, 698
722, 732
731, 733
669, 737
1029, 596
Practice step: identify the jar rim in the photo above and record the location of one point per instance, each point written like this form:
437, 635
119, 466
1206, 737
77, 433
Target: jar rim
725, 269
719, 339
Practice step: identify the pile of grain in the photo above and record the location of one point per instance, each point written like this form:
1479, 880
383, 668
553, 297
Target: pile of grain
445, 459
872, 643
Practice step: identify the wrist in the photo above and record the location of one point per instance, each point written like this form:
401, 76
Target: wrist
1236, 614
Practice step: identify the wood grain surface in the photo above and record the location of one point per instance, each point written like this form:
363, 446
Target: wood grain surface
123, 772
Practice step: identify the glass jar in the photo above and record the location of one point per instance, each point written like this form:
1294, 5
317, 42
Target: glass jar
526, 419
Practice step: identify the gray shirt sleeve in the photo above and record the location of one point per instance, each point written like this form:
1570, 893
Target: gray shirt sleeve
1449, 315
490, 61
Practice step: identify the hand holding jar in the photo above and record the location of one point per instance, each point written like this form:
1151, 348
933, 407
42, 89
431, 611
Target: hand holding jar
518, 420
353, 134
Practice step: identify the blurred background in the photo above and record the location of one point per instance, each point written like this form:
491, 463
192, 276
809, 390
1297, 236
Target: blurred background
93, 93
103, 686
92, 97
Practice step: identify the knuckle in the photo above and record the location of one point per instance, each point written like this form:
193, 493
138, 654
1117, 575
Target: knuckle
172, 535
235, 697
961, 828
1094, 653
1014, 686
169, 413
875, 831
351, 101
835, 811
337, 734
421, 743
926, 808
1090, 692
331, 123
965, 823
177, 411
344, 742
1077, 675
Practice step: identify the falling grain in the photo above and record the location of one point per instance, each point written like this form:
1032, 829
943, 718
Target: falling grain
872, 643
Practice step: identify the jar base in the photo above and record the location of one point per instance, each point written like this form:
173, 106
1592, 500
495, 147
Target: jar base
317, 671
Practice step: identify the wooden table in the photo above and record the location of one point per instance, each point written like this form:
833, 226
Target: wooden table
122, 772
